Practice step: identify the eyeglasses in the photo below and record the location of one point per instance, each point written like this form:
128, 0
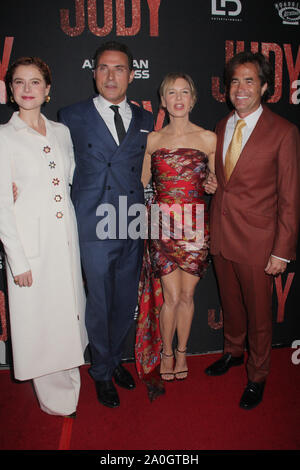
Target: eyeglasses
117, 69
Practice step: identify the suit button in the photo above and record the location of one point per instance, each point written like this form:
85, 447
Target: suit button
142, 147
108, 187
131, 192
132, 168
225, 212
89, 145
109, 164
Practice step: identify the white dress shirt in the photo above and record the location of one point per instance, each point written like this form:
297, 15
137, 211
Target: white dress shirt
251, 121
107, 114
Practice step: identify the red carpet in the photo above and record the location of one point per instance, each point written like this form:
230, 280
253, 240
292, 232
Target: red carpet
200, 413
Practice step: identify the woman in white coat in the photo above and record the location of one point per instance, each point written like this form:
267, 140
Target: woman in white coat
39, 235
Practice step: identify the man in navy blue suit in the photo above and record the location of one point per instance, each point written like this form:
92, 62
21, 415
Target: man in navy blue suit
109, 136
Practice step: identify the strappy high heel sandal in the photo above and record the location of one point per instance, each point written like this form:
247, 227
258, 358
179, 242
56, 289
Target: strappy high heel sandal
180, 372
167, 376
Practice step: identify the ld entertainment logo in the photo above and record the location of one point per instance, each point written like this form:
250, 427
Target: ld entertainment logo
289, 12
226, 10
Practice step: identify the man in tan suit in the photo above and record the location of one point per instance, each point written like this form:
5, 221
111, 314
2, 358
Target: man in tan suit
254, 217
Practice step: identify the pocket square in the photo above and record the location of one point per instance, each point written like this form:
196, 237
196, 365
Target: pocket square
144, 130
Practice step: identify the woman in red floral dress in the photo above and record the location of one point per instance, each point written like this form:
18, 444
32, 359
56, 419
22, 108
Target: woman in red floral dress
180, 160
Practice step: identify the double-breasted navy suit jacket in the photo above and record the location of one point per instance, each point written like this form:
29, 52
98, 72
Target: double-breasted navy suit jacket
104, 171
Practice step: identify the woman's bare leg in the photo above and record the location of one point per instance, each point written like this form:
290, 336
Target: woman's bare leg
171, 291
184, 317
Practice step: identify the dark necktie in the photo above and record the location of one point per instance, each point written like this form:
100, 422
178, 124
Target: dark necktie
118, 123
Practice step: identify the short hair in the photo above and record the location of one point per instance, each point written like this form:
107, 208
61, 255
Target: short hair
36, 61
171, 77
264, 68
114, 46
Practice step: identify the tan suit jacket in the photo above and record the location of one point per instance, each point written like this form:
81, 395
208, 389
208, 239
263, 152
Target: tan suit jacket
256, 213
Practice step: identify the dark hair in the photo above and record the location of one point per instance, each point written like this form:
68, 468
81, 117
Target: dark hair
264, 68
114, 46
36, 61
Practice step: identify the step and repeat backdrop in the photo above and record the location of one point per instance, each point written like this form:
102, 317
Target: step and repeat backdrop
195, 36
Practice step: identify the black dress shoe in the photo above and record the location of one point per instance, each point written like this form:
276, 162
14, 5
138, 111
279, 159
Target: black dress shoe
123, 378
223, 365
107, 393
252, 395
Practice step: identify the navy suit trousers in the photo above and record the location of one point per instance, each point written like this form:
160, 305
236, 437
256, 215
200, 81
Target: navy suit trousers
112, 271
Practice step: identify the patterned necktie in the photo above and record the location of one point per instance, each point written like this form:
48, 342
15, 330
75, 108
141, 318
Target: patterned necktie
234, 148
118, 123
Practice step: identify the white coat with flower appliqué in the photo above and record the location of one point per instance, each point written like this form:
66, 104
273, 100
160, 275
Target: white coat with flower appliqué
39, 233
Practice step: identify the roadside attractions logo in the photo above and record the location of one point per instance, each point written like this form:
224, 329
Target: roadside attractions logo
289, 12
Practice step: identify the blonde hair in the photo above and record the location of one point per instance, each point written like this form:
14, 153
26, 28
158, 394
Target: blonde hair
171, 77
